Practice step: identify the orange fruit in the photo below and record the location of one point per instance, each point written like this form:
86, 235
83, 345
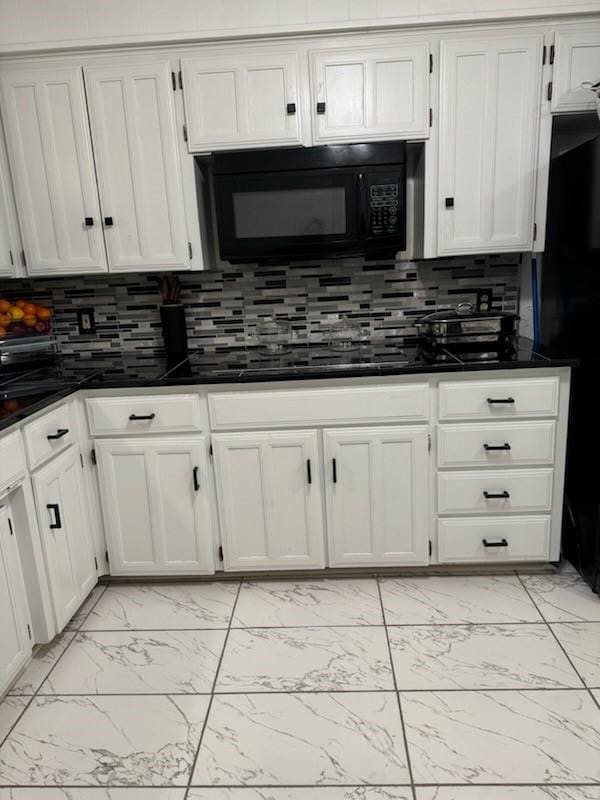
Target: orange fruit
5, 319
30, 321
29, 309
16, 313
10, 405
2, 332
43, 313
20, 303
4, 306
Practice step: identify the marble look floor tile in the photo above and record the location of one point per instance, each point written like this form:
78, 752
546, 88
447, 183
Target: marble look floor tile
87, 741
302, 739
164, 607
306, 793
42, 661
10, 710
92, 794
305, 659
454, 599
563, 598
536, 737
123, 662
84, 609
509, 793
581, 641
316, 602
479, 657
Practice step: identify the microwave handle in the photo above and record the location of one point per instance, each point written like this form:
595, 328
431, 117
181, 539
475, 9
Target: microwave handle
362, 206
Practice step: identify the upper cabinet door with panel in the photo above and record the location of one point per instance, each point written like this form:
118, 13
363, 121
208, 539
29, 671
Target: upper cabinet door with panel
235, 100
576, 60
371, 94
132, 114
50, 154
489, 120
9, 236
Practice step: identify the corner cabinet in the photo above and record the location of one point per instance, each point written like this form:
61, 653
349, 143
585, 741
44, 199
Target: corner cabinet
270, 499
156, 502
132, 117
370, 94
377, 495
490, 94
50, 152
236, 99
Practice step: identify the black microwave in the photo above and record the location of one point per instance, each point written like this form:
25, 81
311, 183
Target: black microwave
316, 202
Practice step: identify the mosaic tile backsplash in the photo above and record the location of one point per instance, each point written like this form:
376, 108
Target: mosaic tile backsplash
223, 308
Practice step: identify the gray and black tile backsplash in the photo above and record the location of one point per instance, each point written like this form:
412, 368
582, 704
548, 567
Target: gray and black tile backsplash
223, 308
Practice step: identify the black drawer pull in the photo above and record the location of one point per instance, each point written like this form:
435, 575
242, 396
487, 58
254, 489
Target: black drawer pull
504, 446
495, 401
138, 417
58, 435
496, 495
54, 507
334, 467
308, 471
501, 543
196, 481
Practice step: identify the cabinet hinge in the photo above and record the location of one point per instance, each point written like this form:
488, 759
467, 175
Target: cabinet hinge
551, 54
430, 117
220, 553
429, 443
190, 250
534, 231
430, 547
10, 527
12, 261
180, 80
29, 630
106, 557
185, 133
93, 456
430, 63
96, 562
549, 92
544, 54
23, 259
174, 81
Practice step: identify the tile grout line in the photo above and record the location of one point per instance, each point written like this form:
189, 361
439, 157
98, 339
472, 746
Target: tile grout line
397, 693
212, 692
584, 685
43, 681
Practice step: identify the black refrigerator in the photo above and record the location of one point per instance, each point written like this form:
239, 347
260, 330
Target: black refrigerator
570, 321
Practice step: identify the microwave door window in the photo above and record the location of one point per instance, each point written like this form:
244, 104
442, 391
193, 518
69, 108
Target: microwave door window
290, 213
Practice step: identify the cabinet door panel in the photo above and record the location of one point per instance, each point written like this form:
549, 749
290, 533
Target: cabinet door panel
490, 95
271, 515
157, 521
15, 643
132, 115
577, 59
9, 237
62, 503
377, 499
51, 158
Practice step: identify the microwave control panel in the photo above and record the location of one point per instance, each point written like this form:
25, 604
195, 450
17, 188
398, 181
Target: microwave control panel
385, 206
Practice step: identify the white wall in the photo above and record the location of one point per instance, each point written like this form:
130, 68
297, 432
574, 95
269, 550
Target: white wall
46, 24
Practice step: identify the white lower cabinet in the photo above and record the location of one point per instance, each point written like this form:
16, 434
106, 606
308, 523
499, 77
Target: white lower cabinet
64, 527
377, 495
270, 499
15, 626
156, 504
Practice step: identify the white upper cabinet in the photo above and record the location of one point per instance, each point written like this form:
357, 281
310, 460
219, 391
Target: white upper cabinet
489, 119
371, 93
270, 499
236, 99
576, 60
132, 114
377, 496
10, 246
50, 154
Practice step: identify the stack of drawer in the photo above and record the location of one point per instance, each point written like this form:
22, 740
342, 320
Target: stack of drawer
496, 445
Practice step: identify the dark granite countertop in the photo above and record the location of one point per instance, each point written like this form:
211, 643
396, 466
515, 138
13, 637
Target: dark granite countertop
24, 391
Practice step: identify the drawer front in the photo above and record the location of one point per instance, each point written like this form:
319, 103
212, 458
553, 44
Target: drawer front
519, 539
496, 444
522, 397
142, 415
12, 460
49, 435
319, 406
495, 491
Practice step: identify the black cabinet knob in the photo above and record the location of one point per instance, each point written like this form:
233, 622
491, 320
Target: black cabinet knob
291, 108
449, 202
108, 222
320, 108
89, 222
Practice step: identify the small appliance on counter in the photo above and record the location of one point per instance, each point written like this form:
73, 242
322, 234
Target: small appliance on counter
468, 333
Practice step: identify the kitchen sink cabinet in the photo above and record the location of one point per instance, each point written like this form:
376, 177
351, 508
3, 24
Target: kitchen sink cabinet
156, 502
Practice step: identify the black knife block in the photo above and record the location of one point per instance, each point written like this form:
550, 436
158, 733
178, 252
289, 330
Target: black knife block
174, 331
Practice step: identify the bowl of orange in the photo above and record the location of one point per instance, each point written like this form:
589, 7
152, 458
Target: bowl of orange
23, 317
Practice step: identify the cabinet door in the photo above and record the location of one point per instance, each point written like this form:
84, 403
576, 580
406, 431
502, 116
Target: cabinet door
489, 120
132, 114
62, 512
576, 60
50, 155
270, 500
377, 496
156, 506
15, 626
9, 237
234, 100
371, 94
